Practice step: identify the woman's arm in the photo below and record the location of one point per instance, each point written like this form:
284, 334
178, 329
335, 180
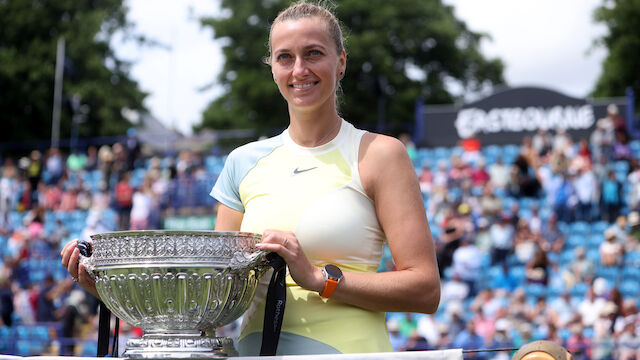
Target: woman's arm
390, 180
228, 219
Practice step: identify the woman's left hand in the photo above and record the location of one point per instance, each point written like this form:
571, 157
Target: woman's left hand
285, 244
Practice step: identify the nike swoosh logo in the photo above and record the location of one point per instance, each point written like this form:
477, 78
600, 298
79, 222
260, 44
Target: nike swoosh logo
297, 171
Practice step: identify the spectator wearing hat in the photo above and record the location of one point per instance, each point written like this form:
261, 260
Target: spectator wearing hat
501, 338
482, 235
455, 317
444, 339
611, 251
398, 341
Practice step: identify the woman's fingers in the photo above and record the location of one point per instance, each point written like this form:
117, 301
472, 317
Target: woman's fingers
67, 251
285, 244
72, 268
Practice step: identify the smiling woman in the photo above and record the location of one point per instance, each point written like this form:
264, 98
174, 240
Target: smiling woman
326, 197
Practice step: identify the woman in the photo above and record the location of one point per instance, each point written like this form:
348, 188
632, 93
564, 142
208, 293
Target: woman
323, 192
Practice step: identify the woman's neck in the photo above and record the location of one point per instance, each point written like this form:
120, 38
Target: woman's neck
313, 128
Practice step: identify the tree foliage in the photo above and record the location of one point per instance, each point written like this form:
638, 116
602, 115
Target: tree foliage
397, 51
620, 68
28, 42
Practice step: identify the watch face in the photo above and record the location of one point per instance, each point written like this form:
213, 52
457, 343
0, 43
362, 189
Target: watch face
333, 271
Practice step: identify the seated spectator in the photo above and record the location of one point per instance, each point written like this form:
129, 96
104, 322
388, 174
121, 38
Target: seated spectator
426, 179
551, 238
502, 234
611, 250
501, 338
467, 260
417, 343
469, 339
398, 341
577, 344
490, 204
537, 269
444, 338
454, 289
525, 242
479, 174
590, 307
582, 269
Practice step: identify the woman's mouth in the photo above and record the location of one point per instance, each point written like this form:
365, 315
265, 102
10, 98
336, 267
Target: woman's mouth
303, 86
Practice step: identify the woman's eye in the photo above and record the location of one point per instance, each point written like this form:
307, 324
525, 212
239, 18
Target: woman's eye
283, 57
315, 53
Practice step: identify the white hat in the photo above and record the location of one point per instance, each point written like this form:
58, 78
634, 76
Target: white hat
502, 324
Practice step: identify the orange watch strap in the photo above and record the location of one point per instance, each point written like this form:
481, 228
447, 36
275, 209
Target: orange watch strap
329, 286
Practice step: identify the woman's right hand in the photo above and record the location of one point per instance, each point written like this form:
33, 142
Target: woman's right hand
70, 260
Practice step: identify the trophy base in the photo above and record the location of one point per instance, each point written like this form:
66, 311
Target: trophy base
179, 346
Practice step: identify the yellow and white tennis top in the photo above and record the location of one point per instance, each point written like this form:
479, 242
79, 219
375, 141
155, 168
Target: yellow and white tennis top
317, 194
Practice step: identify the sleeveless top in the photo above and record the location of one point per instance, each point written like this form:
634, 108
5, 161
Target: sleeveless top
317, 194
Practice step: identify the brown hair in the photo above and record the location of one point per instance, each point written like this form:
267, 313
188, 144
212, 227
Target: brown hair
303, 9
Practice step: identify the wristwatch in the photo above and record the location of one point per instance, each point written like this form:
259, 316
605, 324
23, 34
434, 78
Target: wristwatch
332, 276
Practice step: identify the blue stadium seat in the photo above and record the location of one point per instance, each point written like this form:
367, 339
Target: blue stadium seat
630, 288
593, 254
575, 240
631, 273
599, 227
441, 152
579, 227
632, 258
595, 240
535, 291
609, 273
579, 289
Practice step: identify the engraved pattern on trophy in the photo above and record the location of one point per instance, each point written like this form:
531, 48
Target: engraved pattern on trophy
178, 286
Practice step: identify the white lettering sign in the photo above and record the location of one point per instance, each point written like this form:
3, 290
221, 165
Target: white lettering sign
474, 121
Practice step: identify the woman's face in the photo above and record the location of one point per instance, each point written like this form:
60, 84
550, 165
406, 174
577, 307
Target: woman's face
305, 63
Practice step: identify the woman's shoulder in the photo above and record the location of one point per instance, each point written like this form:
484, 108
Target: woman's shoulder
257, 148
380, 147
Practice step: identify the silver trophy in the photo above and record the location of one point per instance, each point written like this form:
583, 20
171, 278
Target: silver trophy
177, 286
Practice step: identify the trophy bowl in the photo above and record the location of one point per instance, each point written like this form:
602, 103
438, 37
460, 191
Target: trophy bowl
177, 286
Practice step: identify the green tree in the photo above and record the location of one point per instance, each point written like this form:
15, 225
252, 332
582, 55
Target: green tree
620, 67
28, 42
397, 51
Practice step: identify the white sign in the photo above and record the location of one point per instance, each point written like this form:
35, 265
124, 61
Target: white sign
474, 121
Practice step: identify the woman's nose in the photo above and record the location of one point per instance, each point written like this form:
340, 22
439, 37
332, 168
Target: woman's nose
300, 67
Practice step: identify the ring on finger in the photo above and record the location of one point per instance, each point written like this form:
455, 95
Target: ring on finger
75, 279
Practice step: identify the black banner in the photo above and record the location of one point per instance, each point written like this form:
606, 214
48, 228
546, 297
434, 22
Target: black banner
505, 117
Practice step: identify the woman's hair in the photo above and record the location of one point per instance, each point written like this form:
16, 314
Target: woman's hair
303, 9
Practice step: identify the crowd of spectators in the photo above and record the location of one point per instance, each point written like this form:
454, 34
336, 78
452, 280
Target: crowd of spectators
535, 241
48, 198
538, 240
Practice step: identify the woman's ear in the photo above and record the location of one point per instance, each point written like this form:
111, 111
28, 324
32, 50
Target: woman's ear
342, 64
